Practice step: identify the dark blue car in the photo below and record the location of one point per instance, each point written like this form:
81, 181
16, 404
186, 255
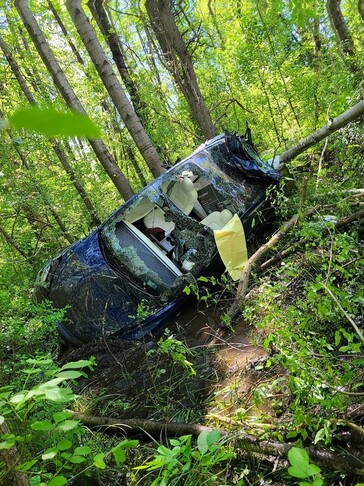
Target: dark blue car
127, 277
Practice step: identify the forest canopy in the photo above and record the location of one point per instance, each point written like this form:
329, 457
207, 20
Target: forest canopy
98, 98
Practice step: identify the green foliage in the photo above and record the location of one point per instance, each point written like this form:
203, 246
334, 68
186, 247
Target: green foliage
189, 464
176, 350
54, 443
54, 123
302, 469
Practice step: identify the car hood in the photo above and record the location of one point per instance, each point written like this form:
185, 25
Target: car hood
98, 300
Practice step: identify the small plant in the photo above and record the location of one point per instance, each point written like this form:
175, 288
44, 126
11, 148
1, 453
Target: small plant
36, 417
302, 468
176, 350
187, 464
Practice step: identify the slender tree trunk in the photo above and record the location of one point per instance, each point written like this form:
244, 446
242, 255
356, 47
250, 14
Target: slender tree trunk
55, 144
65, 32
11, 458
345, 40
70, 96
317, 63
114, 88
361, 8
334, 124
11, 242
179, 62
100, 15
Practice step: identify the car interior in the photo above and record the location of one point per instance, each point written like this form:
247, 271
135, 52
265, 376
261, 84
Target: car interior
155, 223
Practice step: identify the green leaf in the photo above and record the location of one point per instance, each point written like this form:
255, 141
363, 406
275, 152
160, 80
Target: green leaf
42, 425
64, 444
59, 394
26, 465
77, 459
312, 469
99, 461
70, 374
59, 416
49, 453
68, 425
82, 363
206, 439
119, 455
57, 481
82, 451
297, 472
8, 444
2, 419
298, 457
54, 123
320, 435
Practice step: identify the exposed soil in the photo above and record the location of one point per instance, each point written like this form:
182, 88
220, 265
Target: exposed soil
133, 379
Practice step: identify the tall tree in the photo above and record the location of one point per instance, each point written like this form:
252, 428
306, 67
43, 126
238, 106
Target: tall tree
114, 88
179, 62
100, 14
67, 92
345, 40
56, 146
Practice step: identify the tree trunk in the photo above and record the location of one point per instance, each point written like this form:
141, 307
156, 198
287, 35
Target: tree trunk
331, 460
342, 33
361, 8
65, 32
179, 62
55, 144
70, 96
100, 15
114, 88
11, 242
11, 458
334, 124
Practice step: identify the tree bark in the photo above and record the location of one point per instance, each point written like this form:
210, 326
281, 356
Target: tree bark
100, 15
179, 62
65, 32
11, 458
361, 8
55, 144
331, 460
343, 36
334, 124
11, 242
114, 88
70, 96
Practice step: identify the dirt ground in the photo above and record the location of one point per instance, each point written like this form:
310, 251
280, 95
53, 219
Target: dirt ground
133, 379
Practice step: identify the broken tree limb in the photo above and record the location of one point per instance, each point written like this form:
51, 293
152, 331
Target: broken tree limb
331, 460
334, 124
245, 274
144, 426
357, 216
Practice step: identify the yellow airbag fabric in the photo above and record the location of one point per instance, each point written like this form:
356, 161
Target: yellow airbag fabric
231, 244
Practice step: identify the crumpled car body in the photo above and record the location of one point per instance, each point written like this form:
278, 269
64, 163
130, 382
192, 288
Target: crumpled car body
127, 277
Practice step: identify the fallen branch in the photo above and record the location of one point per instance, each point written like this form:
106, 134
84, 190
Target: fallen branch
141, 426
331, 460
357, 216
245, 274
334, 124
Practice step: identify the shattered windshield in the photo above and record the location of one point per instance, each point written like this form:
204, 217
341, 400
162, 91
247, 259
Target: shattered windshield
166, 230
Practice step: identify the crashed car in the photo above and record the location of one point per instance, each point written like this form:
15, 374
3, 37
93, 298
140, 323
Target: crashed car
127, 277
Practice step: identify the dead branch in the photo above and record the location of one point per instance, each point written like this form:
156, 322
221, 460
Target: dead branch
357, 216
140, 426
329, 459
288, 225
334, 124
